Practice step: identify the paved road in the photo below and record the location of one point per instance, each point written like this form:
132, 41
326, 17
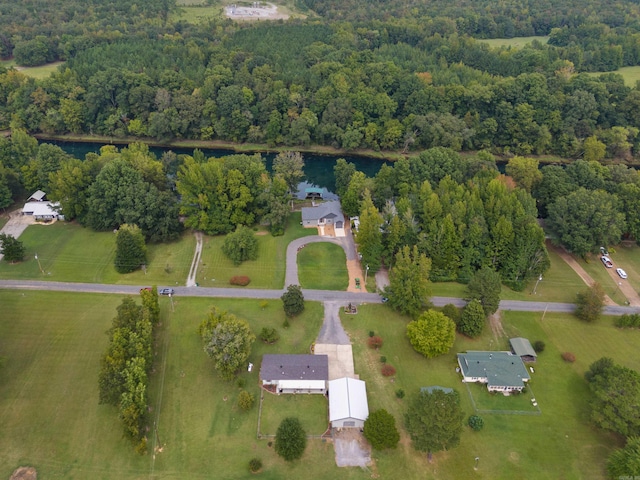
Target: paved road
342, 298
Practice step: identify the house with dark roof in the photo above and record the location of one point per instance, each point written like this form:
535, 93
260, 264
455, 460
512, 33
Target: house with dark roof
501, 371
522, 347
326, 213
295, 373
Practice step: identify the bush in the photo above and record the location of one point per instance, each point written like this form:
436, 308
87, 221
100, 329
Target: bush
538, 346
383, 359
380, 430
476, 422
269, 335
291, 439
627, 321
371, 333
400, 393
255, 464
241, 382
241, 280
286, 323
388, 370
245, 400
375, 342
568, 357
451, 311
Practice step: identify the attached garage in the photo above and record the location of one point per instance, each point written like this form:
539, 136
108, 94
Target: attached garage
348, 406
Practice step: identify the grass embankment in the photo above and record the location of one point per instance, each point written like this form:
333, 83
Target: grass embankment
559, 443
516, 42
68, 252
321, 266
267, 271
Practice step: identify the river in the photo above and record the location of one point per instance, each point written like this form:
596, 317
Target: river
318, 169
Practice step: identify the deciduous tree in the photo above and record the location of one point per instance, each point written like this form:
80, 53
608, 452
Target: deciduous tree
289, 165
589, 303
380, 430
432, 334
12, 248
291, 439
241, 245
293, 301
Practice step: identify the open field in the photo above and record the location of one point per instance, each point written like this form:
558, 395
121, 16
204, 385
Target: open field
516, 42
312, 410
42, 71
556, 444
630, 75
322, 266
68, 252
267, 271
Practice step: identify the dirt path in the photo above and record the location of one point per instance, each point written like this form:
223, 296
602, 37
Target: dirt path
575, 266
495, 321
191, 279
625, 287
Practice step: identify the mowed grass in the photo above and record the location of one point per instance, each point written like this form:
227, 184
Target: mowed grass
52, 343
322, 266
215, 269
630, 74
311, 410
68, 252
559, 443
516, 42
39, 72
194, 13
626, 260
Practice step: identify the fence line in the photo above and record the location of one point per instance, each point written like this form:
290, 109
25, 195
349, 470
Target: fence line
537, 410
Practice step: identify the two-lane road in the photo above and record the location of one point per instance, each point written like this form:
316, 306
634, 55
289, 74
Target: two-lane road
314, 295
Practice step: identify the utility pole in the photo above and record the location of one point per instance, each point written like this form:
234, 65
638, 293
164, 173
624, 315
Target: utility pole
366, 272
538, 281
39, 266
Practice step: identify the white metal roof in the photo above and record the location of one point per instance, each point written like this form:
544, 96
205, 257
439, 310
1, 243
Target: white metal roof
302, 384
40, 208
38, 195
348, 399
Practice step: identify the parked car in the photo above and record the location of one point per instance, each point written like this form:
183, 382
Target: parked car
607, 261
621, 272
148, 289
167, 291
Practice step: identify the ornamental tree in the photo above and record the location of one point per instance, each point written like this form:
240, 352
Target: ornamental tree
380, 430
240, 245
291, 439
432, 334
293, 301
227, 340
131, 250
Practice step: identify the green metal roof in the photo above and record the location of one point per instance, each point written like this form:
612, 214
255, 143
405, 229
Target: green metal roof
501, 369
522, 347
314, 190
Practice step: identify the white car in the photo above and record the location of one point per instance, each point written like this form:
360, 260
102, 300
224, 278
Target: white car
621, 272
607, 261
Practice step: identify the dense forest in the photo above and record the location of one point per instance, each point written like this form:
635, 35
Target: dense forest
380, 79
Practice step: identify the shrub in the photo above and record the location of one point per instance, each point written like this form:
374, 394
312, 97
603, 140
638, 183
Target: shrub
375, 342
383, 359
476, 422
245, 400
241, 280
568, 357
371, 333
286, 323
291, 439
400, 393
627, 321
241, 382
388, 370
255, 464
451, 311
539, 346
269, 335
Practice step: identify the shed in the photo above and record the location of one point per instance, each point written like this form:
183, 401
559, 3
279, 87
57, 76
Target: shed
348, 406
295, 373
501, 371
522, 347
313, 193
38, 196
323, 214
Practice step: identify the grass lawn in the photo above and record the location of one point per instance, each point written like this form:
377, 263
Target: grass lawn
197, 13
312, 410
630, 75
41, 71
322, 266
267, 271
496, 403
594, 267
559, 443
70, 253
516, 42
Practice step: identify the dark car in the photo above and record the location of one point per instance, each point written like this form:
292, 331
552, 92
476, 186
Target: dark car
148, 289
167, 291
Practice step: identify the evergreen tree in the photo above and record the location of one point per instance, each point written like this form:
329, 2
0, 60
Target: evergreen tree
293, 301
131, 251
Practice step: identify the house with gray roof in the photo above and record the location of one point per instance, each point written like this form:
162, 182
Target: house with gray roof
295, 373
323, 214
522, 347
501, 371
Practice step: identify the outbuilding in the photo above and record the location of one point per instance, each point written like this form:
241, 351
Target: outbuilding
522, 347
348, 406
295, 373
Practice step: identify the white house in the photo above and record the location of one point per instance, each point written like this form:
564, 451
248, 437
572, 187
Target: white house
348, 406
501, 371
295, 373
42, 210
324, 214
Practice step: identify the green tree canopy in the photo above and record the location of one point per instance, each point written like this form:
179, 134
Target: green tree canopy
625, 462
380, 430
434, 420
227, 340
12, 248
289, 165
524, 171
485, 286
131, 251
293, 301
369, 236
472, 319
432, 334
291, 439
241, 245
589, 303
408, 290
